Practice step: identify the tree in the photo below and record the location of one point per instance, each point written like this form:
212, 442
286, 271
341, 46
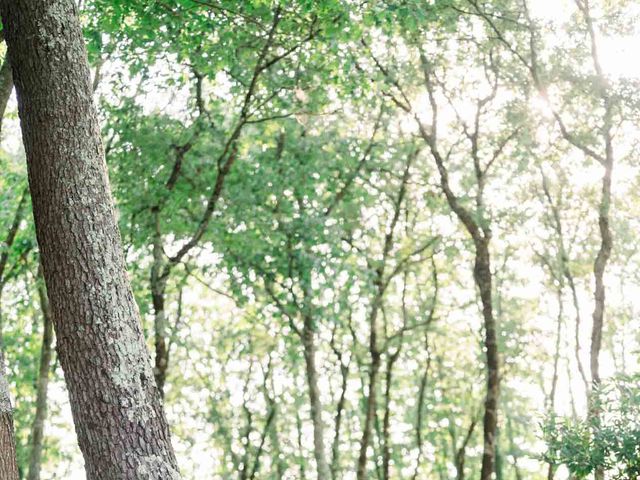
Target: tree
119, 419
36, 439
8, 461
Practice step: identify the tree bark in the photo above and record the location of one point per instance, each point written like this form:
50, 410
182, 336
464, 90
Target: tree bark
121, 427
46, 351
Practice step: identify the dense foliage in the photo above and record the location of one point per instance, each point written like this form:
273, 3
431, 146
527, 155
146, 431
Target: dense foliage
329, 207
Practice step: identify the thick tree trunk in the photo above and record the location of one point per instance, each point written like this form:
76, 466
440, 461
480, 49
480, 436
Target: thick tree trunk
120, 423
483, 279
46, 351
308, 341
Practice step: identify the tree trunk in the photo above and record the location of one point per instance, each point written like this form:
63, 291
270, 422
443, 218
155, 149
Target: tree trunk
46, 351
6, 86
158, 284
386, 422
335, 448
8, 460
121, 427
308, 341
598, 270
482, 276
158, 289
461, 452
381, 282
369, 416
8, 464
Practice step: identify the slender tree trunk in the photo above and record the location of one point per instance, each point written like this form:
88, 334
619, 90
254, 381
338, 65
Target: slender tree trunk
551, 406
46, 351
420, 413
381, 282
8, 460
121, 427
386, 422
499, 458
461, 452
335, 449
300, 446
482, 276
8, 463
309, 345
514, 452
370, 411
158, 285
479, 230
274, 438
606, 240
598, 313
6, 86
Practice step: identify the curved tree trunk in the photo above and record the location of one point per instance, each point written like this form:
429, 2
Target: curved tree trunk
120, 423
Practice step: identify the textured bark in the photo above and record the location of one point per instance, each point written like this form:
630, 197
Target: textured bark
121, 427
308, 341
46, 351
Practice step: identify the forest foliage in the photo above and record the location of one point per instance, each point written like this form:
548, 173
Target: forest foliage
377, 240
